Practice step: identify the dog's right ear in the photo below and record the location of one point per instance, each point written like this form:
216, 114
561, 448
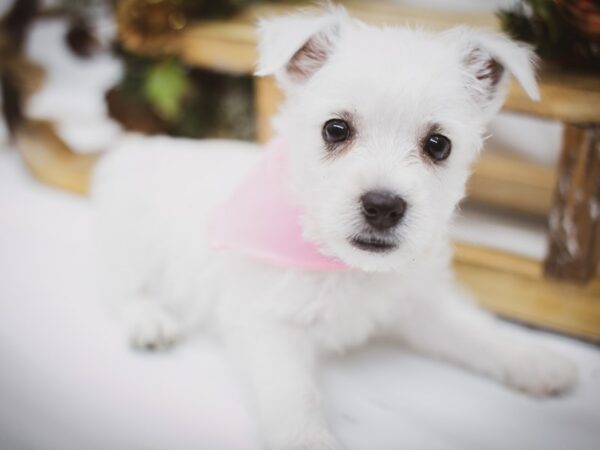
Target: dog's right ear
295, 47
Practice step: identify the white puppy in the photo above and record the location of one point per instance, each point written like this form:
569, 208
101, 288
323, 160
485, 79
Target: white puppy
380, 126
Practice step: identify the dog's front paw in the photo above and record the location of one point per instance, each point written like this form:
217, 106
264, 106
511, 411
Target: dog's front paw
155, 333
539, 372
151, 327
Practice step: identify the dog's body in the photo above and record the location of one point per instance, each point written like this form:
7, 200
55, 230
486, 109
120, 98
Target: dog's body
368, 135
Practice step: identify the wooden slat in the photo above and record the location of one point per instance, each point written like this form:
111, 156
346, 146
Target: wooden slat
230, 46
220, 46
572, 98
390, 13
507, 284
209, 53
51, 160
574, 234
512, 183
515, 287
267, 98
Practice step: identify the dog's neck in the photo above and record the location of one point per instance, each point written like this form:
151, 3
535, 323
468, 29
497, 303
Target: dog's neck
262, 221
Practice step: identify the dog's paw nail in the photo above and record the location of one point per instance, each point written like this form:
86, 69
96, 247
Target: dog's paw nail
154, 331
541, 373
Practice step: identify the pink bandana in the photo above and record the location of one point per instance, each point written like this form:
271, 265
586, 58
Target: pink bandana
260, 219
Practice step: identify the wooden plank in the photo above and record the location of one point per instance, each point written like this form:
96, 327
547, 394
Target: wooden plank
230, 46
506, 284
267, 98
51, 160
509, 182
566, 97
515, 287
574, 250
220, 46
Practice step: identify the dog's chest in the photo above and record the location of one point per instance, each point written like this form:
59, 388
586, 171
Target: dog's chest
358, 309
339, 310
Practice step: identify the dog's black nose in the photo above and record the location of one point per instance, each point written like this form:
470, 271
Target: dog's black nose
382, 210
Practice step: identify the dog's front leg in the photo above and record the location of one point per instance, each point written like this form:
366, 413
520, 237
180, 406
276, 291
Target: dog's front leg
278, 360
453, 328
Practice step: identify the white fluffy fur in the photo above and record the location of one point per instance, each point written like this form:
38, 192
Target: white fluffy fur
154, 196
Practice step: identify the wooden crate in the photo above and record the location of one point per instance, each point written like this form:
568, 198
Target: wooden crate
507, 284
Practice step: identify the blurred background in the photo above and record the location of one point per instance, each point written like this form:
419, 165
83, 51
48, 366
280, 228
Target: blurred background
78, 76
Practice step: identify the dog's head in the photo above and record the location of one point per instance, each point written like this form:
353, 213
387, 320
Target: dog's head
383, 125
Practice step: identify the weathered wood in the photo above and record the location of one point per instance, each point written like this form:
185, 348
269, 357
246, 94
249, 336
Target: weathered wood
267, 98
514, 287
506, 284
220, 46
51, 160
230, 46
574, 221
566, 97
511, 183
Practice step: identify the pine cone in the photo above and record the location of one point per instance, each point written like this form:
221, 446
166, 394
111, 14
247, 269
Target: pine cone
583, 15
149, 26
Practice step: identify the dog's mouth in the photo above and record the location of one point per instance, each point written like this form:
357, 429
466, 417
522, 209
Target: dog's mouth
373, 244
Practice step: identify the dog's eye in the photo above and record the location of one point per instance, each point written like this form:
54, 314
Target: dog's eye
335, 131
437, 147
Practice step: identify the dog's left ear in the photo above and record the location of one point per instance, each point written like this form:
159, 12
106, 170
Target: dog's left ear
488, 59
295, 47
